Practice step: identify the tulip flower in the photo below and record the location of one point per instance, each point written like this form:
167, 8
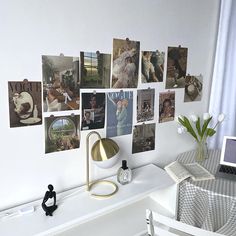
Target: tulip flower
193, 118
221, 117
206, 116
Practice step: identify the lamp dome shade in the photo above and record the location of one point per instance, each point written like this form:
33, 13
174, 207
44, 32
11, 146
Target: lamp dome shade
104, 152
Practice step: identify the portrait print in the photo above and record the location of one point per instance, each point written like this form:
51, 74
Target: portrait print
95, 70
93, 111
25, 105
143, 138
176, 67
145, 105
61, 133
193, 88
125, 66
166, 106
152, 66
60, 83
119, 113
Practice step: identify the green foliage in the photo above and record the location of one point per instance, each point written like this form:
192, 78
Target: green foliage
198, 132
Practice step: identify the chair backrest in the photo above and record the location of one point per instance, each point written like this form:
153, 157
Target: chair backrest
53, 106
160, 225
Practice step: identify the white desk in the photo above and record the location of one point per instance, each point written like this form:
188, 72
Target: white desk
150, 187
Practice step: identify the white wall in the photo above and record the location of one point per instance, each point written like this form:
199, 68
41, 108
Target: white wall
29, 29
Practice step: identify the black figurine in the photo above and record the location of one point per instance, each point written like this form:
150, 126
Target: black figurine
49, 194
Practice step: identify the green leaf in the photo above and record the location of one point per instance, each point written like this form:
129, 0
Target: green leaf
190, 128
204, 127
198, 127
181, 121
210, 132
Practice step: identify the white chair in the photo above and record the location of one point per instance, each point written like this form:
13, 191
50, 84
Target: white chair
159, 225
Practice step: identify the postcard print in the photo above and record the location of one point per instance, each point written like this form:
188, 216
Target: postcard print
145, 105
95, 70
193, 88
176, 67
119, 113
61, 133
125, 66
166, 106
60, 83
93, 111
25, 105
143, 138
152, 66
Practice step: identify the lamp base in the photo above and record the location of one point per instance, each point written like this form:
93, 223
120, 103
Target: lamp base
102, 196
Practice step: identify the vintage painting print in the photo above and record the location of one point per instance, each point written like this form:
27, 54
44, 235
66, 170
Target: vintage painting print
152, 66
25, 104
61, 133
95, 70
145, 105
125, 66
143, 138
176, 67
193, 88
93, 111
166, 106
60, 83
119, 113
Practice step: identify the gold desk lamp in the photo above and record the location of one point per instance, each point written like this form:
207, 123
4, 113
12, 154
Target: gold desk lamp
104, 153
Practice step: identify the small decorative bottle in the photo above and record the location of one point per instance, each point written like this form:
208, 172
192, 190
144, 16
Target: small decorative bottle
35, 112
124, 174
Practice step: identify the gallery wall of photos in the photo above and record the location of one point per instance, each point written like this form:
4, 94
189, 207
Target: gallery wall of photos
64, 80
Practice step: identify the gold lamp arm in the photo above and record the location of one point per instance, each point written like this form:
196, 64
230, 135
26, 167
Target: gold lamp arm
90, 185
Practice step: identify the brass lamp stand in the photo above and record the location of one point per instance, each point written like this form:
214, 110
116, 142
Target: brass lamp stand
103, 152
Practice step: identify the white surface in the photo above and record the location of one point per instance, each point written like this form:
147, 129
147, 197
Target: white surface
81, 208
30, 29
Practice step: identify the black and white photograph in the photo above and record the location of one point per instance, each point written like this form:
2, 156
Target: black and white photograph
143, 138
95, 70
193, 88
125, 65
152, 66
145, 104
176, 67
166, 106
60, 83
62, 133
93, 111
25, 104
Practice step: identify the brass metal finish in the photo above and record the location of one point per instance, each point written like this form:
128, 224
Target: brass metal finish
102, 150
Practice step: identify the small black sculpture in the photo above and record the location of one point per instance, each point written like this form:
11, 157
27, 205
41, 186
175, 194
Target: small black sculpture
49, 194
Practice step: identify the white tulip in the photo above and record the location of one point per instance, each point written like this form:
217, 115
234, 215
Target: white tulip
221, 117
193, 118
206, 116
181, 130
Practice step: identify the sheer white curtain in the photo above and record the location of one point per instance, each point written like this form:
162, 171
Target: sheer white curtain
223, 92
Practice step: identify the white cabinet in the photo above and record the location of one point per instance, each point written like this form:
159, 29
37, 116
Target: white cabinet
122, 214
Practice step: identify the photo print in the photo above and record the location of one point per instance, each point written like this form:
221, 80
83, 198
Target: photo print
145, 105
166, 106
119, 113
25, 104
193, 88
143, 138
95, 70
60, 83
152, 66
176, 67
61, 133
125, 63
93, 111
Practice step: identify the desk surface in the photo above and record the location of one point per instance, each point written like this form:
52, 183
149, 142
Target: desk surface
81, 207
220, 186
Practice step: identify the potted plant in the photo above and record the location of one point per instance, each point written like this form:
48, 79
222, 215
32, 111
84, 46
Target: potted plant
199, 129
